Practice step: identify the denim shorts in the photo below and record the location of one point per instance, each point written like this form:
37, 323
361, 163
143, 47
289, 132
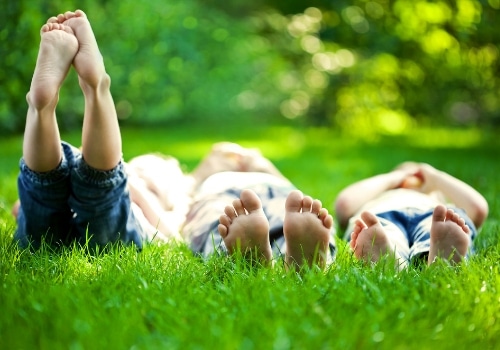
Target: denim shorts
75, 202
408, 229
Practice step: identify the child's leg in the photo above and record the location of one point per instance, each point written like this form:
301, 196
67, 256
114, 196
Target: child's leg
43, 182
42, 144
101, 139
99, 197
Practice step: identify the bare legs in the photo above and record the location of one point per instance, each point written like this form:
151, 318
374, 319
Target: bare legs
67, 39
42, 144
307, 226
449, 237
101, 139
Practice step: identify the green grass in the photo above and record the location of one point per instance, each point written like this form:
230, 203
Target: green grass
164, 297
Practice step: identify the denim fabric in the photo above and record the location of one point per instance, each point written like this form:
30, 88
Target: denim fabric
409, 230
75, 202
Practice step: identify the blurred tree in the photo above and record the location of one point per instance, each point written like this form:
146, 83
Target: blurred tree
373, 66
167, 60
381, 66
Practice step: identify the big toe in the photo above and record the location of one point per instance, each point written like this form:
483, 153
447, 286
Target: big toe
250, 200
294, 201
369, 219
439, 213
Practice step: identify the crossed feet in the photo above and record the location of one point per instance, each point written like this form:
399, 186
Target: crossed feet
65, 39
307, 225
449, 237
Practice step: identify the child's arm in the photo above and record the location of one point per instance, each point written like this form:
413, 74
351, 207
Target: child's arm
458, 192
354, 196
168, 223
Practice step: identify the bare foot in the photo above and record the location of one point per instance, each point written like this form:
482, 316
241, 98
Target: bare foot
88, 61
449, 236
58, 47
307, 231
368, 239
245, 228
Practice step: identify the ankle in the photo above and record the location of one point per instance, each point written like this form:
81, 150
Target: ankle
97, 85
41, 101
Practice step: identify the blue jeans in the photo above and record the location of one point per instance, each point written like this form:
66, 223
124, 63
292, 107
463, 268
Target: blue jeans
408, 229
75, 202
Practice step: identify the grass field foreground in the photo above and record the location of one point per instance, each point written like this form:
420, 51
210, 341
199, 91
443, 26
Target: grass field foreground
164, 297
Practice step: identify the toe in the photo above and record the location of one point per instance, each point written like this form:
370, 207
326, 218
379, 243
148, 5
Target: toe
294, 201
230, 212
328, 221
225, 220
307, 203
316, 207
222, 230
238, 207
250, 200
369, 218
439, 213
466, 228
80, 13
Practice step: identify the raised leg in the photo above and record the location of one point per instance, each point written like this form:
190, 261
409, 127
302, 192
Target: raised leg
42, 143
101, 138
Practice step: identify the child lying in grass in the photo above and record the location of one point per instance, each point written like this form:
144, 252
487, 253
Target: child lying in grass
69, 194
414, 211
65, 193
266, 215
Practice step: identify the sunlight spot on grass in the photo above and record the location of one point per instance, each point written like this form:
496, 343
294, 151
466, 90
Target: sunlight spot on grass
444, 137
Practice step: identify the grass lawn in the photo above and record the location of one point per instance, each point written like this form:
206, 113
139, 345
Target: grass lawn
166, 298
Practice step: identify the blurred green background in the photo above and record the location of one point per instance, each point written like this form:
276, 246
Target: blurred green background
364, 67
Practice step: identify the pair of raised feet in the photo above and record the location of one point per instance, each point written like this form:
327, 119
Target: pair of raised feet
307, 225
449, 237
65, 39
